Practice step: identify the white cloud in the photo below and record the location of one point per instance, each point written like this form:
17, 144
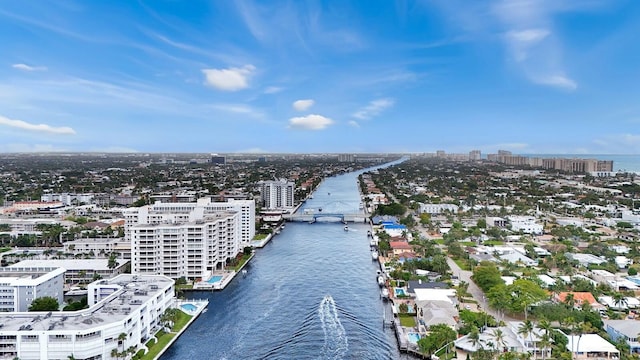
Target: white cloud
559, 81
25, 67
303, 105
354, 123
19, 124
528, 35
374, 109
272, 90
231, 79
238, 109
310, 122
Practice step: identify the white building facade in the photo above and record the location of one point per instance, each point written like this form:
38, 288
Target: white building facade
19, 286
188, 240
437, 208
277, 194
126, 304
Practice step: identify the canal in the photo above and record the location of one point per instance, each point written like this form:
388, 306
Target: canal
311, 293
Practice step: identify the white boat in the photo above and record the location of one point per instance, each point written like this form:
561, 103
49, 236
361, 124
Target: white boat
380, 281
374, 255
385, 293
346, 228
244, 272
373, 243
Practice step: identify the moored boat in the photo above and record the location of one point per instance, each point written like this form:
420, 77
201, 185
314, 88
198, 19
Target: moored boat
374, 255
380, 281
385, 293
346, 228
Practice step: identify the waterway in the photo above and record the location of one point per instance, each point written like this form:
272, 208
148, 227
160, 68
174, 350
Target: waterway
311, 293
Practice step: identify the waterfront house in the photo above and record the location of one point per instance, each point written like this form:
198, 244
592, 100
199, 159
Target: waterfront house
587, 346
512, 341
399, 247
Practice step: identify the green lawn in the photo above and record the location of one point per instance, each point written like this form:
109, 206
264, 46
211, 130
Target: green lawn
164, 338
407, 320
260, 237
439, 241
468, 243
493, 242
4, 249
462, 263
244, 259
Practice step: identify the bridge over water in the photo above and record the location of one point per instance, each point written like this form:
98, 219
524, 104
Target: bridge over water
327, 217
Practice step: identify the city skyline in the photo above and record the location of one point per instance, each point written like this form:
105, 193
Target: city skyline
530, 76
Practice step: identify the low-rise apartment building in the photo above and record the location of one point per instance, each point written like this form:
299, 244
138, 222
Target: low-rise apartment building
20, 285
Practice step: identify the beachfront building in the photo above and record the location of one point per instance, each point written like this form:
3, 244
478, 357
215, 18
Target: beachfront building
512, 340
19, 286
78, 271
277, 194
188, 240
127, 304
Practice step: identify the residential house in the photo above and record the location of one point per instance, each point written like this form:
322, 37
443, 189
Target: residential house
587, 346
628, 330
579, 298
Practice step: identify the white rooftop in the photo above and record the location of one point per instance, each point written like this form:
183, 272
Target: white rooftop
588, 343
435, 294
71, 264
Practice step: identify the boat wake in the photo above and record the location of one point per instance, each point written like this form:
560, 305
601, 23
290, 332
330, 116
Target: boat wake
335, 338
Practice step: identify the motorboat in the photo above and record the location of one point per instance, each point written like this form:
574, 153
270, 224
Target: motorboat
385, 293
380, 280
369, 233
374, 255
373, 243
346, 228
244, 273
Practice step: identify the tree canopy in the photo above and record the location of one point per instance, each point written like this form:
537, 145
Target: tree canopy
45, 303
487, 275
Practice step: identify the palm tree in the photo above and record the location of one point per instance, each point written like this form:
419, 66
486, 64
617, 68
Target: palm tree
545, 342
474, 338
526, 329
499, 337
570, 300
121, 338
115, 353
619, 300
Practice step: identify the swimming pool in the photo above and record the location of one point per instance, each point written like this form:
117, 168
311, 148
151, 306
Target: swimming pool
189, 307
399, 292
214, 279
413, 337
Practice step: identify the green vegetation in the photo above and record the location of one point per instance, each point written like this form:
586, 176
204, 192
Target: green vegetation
45, 303
439, 336
487, 275
260, 237
77, 305
179, 319
393, 209
407, 320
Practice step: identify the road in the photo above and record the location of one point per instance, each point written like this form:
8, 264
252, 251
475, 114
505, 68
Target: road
476, 292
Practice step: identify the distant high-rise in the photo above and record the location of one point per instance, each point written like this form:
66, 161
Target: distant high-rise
277, 194
346, 158
219, 160
475, 155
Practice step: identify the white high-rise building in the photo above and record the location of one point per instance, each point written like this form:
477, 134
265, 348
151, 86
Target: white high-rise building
188, 239
277, 194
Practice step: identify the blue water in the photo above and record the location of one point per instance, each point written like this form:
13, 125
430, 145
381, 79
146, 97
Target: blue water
413, 337
188, 307
399, 292
214, 279
311, 293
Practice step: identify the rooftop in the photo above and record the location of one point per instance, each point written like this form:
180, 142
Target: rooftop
133, 291
70, 264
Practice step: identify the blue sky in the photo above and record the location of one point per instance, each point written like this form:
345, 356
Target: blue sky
531, 76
